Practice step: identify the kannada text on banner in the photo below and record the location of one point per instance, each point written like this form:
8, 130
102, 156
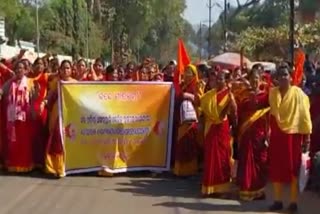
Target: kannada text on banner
121, 127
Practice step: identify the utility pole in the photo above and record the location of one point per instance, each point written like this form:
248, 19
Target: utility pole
200, 41
225, 26
38, 30
87, 32
210, 6
291, 32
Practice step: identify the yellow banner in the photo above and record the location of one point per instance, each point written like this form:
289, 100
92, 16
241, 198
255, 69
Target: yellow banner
116, 126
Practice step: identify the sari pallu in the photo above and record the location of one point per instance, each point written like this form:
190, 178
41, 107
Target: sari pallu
252, 150
19, 156
217, 143
290, 120
54, 153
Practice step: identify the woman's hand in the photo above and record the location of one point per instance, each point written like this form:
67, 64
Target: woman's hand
43, 105
188, 96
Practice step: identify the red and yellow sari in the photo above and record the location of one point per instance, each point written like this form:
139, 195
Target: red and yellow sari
19, 147
39, 129
187, 146
217, 143
54, 153
252, 147
290, 120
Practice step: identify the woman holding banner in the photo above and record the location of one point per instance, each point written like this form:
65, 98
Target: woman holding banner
216, 105
81, 72
97, 72
252, 140
186, 147
54, 157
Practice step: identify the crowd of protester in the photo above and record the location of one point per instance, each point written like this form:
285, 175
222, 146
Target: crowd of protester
247, 118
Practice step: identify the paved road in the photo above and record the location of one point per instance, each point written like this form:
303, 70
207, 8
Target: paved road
120, 195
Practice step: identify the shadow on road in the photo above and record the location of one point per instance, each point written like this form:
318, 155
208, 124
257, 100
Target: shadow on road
257, 207
177, 188
162, 187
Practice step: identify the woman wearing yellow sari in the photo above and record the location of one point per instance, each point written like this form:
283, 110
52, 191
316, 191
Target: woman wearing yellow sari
54, 156
186, 147
291, 125
216, 104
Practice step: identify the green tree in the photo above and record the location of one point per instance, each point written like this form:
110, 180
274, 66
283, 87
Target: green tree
118, 29
19, 20
254, 13
262, 43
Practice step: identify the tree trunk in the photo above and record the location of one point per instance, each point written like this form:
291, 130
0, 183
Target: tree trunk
75, 28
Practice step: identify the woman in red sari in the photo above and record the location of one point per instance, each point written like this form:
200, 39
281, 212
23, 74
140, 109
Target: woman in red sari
130, 73
54, 157
211, 83
81, 72
112, 73
186, 147
96, 72
121, 73
18, 95
216, 104
39, 131
5, 74
252, 145
143, 74
291, 126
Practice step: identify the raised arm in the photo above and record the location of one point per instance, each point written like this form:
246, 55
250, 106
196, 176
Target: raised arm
4, 90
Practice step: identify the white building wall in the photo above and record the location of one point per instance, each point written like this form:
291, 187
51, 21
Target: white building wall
2, 28
9, 52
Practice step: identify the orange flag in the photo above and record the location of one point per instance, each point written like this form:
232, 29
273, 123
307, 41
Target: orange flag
182, 61
299, 59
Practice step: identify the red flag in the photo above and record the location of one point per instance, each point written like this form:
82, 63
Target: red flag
297, 75
182, 61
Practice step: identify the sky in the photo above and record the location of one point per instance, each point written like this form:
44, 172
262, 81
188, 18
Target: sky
197, 10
